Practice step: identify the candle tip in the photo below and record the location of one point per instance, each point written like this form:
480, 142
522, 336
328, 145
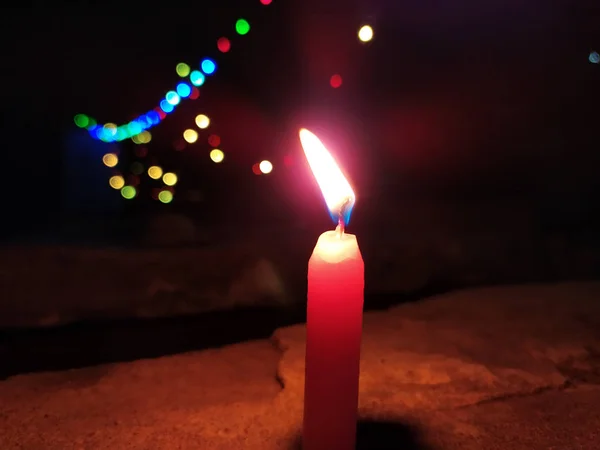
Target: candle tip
341, 227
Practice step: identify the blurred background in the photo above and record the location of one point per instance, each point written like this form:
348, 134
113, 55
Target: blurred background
151, 164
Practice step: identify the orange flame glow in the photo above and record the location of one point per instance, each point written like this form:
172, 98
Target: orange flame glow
335, 188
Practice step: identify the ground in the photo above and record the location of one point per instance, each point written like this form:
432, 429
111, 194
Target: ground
506, 368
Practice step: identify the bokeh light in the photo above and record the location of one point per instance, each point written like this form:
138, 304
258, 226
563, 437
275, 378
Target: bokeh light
208, 66
256, 169
141, 152
197, 78
217, 155
190, 136
224, 45
265, 167
214, 140
165, 196
155, 172
242, 27
183, 90
335, 81
170, 179
195, 93
288, 160
365, 34
143, 138
116, 182
133, 180
81, 120
128, 192
166, 106
182, 69
137, 168
594, 57
179, 145
266, 2
110, 160
172, 98
202, 121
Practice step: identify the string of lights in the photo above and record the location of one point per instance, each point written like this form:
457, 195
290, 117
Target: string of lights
137, 129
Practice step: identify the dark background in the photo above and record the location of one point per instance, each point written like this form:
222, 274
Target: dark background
468, 130
468, 99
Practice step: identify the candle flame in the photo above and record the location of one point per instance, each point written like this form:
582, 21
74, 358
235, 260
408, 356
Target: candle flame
336, 190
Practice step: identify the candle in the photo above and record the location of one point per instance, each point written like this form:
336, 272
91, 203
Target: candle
334, 315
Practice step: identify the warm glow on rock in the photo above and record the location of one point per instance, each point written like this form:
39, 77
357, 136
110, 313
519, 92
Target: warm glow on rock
334, 186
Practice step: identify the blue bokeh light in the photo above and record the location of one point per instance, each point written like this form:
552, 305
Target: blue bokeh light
184, 90
208, 66
153, 117
166, 106
197, 78
594, 57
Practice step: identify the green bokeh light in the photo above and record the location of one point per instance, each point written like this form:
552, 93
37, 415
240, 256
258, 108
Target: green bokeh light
242, 27
128, 192
81, 120
165, 196
182, 69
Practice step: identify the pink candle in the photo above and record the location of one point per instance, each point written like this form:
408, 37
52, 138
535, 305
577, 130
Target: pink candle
334, 315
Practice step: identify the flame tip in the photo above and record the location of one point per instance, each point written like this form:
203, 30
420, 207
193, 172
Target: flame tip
336, 190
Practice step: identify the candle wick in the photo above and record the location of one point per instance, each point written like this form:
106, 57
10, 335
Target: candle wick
341, 226
341, 217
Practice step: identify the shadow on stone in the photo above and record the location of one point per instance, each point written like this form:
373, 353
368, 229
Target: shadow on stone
383, 435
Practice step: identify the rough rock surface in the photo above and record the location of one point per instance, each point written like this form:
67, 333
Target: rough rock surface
509, 368
44, 286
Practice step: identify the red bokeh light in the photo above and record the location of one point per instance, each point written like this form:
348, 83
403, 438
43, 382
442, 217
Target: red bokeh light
160, 113
179, 145
266, 2
133, 180
256, 169
223, 45
195, 93
288, 160
335, 81
214, 140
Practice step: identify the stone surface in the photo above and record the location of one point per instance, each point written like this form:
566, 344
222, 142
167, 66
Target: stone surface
468, 347
511, 368
44, 286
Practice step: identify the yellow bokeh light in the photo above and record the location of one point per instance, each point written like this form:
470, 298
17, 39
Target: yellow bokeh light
142, 138
170, 179
155, 172
202, 121
265, 167
190, 136
217, 155
365, 34
110, 160
116, 182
